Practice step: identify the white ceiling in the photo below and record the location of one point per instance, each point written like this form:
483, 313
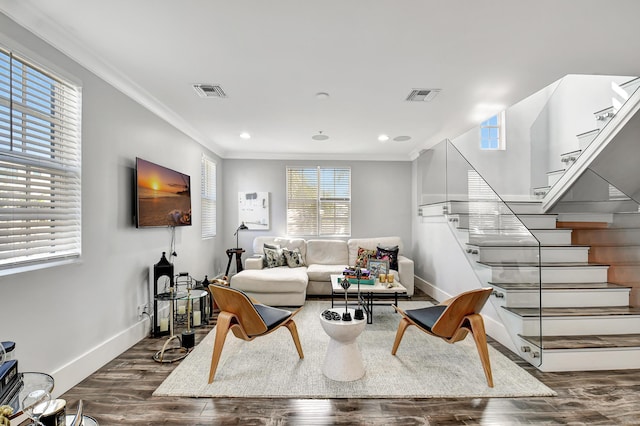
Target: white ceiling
272, 57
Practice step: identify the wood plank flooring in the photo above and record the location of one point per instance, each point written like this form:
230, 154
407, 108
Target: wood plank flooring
120, 394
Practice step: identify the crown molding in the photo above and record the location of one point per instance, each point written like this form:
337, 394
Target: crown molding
28, 16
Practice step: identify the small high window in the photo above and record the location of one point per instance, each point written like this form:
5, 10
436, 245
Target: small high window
492, 133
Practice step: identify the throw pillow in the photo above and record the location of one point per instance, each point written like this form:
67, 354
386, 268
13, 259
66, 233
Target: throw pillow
363, 257
293, 257
264, 256
390, 253
273, 257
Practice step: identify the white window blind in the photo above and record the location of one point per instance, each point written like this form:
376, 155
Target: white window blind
40, 165
318, 201
208, 197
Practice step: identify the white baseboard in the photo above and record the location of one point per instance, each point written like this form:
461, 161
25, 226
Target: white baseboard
80, 368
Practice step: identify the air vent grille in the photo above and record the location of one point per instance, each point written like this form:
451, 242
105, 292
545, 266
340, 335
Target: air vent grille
422, 95
209, 91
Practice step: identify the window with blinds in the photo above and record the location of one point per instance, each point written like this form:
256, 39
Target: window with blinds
40, 165
208, 197
318, 201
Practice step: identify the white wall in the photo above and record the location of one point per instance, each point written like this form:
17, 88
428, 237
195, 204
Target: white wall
507, 171
380, 197
570, 111
69, 320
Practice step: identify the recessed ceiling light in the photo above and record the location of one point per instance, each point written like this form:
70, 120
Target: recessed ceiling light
320, 136
401, 138
245, 135
383, 138
322, 95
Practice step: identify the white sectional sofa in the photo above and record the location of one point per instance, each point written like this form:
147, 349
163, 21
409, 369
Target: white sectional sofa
287, 286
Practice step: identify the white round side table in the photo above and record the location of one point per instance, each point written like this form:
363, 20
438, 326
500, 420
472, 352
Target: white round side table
343, 361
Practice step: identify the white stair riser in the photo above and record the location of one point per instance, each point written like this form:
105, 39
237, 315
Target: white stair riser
591, 274
432, 210
626, 220
530, 254
586, 217
530, 221
552, 178
585, 139
576, 326
631, 86
562, 298
538, 221
521, 207
583, 359
553, 236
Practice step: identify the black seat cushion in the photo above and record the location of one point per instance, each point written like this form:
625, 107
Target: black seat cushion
426, 317
271, 316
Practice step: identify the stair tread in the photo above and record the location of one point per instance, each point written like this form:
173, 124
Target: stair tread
543, 264
575, 311
508, 244
560, 286
586, 341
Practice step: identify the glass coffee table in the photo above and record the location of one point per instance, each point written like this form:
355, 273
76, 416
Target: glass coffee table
368, 293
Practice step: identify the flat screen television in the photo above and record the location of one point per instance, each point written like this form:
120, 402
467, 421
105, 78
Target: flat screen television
163, 196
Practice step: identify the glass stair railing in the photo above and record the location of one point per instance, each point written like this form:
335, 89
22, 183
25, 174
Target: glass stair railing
500, 249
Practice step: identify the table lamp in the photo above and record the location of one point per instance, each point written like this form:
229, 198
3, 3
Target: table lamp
242, 227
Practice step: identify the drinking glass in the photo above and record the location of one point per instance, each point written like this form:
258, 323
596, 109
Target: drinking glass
35, 403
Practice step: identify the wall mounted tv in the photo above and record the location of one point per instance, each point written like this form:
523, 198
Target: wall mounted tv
163, 196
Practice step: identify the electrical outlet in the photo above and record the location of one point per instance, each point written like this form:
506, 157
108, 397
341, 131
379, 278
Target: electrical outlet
143, 309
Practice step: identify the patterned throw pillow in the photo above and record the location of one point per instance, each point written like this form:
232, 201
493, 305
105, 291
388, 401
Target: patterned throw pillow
390, 253
273, 258
363, 257
293, 257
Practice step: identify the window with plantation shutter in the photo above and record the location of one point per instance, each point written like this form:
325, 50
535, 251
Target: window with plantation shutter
318, 201
208, 197
40, 165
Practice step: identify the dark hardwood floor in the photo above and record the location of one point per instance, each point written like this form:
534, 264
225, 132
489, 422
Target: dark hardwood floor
120, 394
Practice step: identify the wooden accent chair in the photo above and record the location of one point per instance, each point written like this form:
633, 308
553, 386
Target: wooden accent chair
451, 321
247, 319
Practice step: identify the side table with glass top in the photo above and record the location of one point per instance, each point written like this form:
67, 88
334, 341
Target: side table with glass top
172, 297
31, 381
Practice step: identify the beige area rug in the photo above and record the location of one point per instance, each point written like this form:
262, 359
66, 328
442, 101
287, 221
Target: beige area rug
424, 367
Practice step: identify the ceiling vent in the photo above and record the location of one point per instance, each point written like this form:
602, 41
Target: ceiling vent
209, 91
422, 95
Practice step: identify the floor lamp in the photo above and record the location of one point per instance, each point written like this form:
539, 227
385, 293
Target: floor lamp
242, 227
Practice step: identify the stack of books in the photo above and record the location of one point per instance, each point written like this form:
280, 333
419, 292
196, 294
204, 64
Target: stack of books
10, 381
365, 278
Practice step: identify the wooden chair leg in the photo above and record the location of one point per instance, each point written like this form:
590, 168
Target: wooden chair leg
291, 325
222, 328
404, 323
480, 337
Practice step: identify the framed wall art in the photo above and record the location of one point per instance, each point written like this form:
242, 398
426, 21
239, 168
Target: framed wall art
253, 210
378, 266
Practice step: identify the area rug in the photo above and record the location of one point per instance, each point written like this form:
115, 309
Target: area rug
424, 366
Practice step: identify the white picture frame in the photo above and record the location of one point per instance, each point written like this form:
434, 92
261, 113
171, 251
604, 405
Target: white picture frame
253, 210
377, 267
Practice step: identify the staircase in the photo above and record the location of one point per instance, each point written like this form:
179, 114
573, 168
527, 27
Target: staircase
585, 320
584, 139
